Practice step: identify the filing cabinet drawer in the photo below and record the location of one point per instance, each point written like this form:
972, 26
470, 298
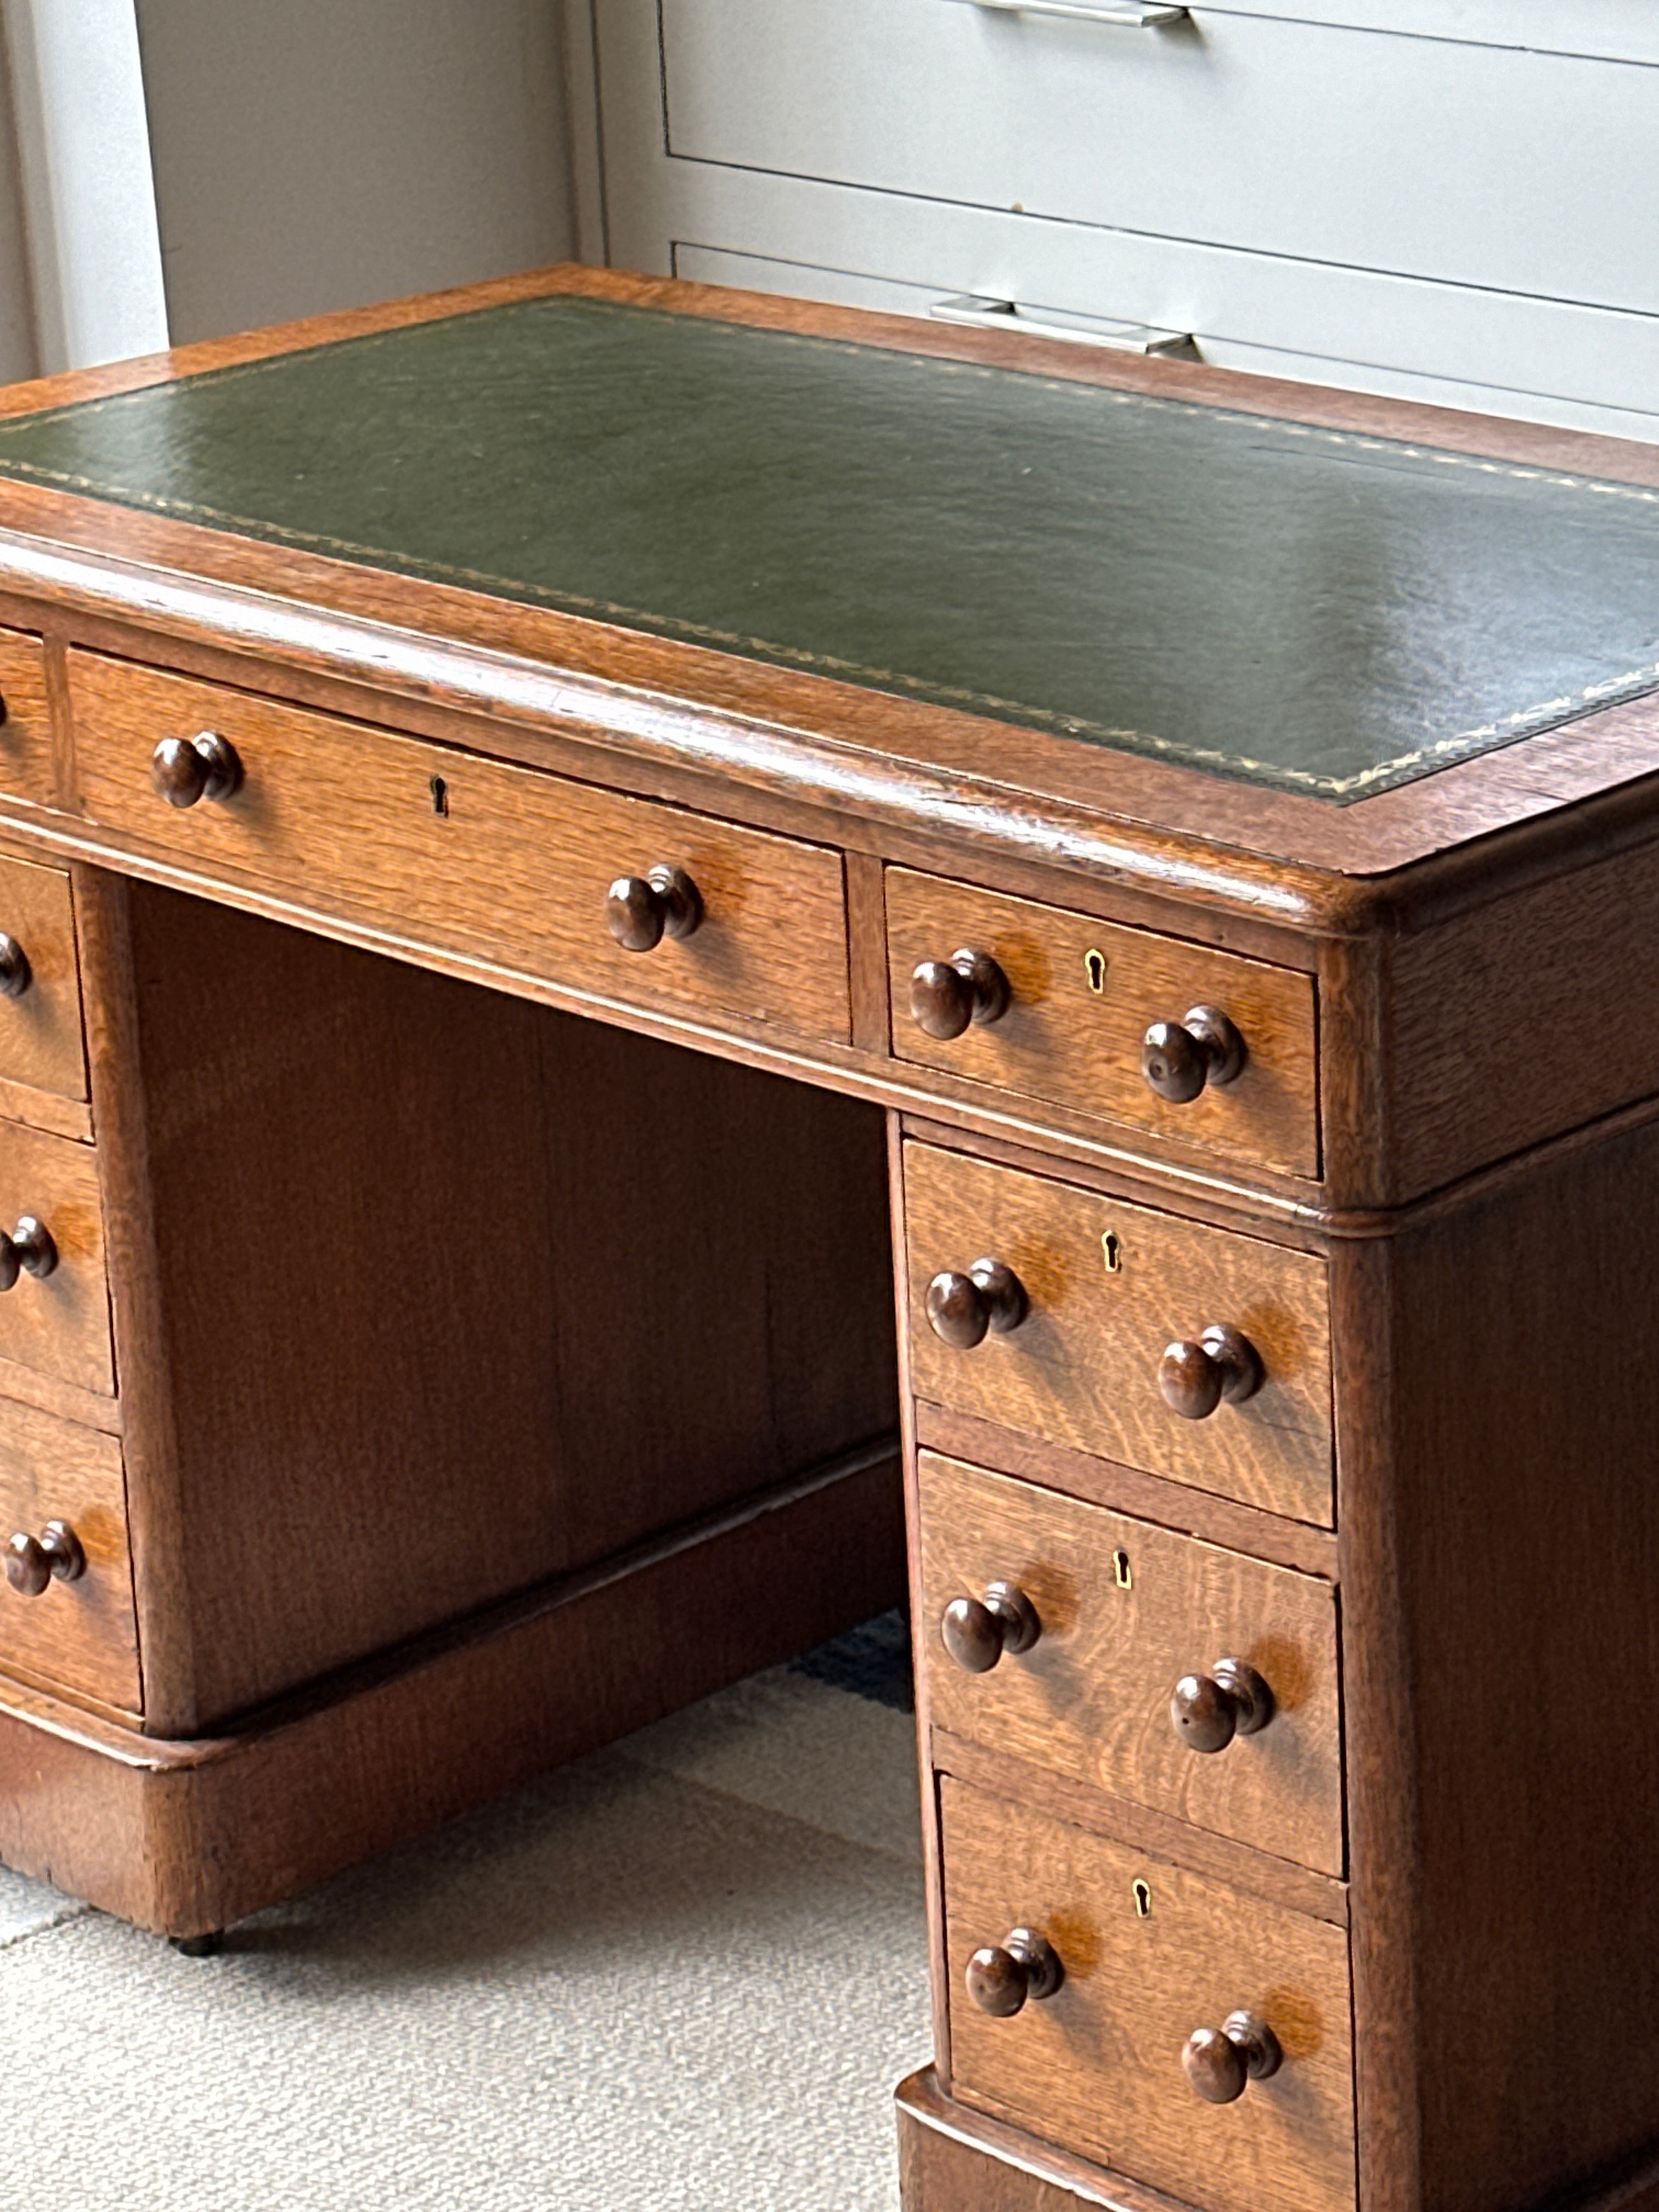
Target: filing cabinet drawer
57, 1322
1106, 1289
1113, 1614
1081, 995
1250, 130
1151, 1956
41, 1043
26, 769
78, 1631
459, 851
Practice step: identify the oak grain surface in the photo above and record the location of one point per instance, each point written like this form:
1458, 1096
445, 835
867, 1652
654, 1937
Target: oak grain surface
60, 1323
42, 1045
81, 1633
1063, 1042
26, 756
1096, 2068
1091, 1696
502, 858
1082, 1368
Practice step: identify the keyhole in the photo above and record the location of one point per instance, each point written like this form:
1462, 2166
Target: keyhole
1121, 1573
440, 795
1111, 1245
1094, 967
1143, 1897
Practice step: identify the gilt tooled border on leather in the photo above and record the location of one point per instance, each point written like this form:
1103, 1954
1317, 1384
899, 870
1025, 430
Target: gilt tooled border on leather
1527, 721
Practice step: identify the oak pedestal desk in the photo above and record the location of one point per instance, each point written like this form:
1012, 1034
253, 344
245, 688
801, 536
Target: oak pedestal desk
532, 825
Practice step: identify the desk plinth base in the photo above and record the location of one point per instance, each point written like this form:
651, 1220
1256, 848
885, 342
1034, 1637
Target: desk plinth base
952, 2159
185, 1837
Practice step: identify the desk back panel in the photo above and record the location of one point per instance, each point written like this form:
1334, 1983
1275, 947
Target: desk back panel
424, 1256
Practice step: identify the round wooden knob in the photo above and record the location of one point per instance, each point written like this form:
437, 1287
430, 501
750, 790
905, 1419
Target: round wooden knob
1002, 1976
641, 910
977, 1631
1179, 1058
1208, 1711
963, 1309
1222, 1368
15, 974
1222, 2061
29, 1251
34, 1563
946, 996
184, 769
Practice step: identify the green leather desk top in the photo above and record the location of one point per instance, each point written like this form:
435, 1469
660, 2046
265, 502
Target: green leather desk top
1321, 612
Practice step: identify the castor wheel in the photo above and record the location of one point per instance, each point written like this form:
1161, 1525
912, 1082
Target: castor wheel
198, 1946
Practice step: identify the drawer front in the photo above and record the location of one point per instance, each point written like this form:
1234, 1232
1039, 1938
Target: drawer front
1123, 1612
41, 1044
1315, 143
1081, 997
507, 862
1150, 1954
80, 1633
1107, 1287
58, 1323
26, 769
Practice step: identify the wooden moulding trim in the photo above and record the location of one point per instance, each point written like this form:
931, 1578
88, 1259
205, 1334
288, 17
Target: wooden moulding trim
1159, 1835
975, 809
939, 1969
435, 1645
1259, 1213
1138, 1181
27, 1386
886, 782
1173, 1506
923, 2104
44, 1109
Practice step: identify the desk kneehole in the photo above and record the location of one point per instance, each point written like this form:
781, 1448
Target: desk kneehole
616, 897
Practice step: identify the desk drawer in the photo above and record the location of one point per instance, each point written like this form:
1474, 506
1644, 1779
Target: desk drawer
26, 769
1081, 996
41, 1043
1317, 142
1150, 1954
458, 851
1107, 1288
80, 1632
1121, 1613
57, 1323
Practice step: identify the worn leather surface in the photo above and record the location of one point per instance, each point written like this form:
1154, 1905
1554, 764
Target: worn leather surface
1324, 613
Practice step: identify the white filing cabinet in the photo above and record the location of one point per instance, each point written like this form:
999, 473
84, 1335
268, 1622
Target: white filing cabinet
1454, 201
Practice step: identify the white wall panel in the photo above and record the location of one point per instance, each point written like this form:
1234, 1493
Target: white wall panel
83, 163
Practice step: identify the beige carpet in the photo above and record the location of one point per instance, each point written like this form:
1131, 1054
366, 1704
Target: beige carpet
687, 1973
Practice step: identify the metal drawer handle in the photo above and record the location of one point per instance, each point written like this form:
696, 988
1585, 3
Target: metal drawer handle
1127, 15
1004, 315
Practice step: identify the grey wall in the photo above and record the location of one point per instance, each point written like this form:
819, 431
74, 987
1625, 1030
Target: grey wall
318, 154
18, 356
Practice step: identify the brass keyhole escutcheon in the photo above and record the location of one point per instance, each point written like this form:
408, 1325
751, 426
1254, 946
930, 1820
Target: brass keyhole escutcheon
1111, 1249
1142, 1893
439, 791
1094, 968
1122, 1574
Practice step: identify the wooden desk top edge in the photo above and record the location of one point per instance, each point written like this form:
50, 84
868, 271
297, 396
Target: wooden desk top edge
1297, 862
